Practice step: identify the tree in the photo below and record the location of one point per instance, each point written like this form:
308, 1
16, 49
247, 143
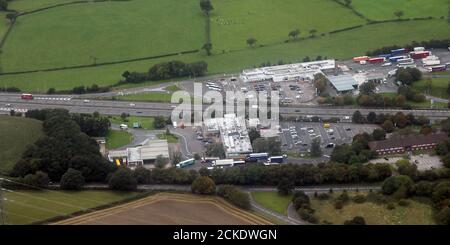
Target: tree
294, 33
203, 185
142, 175
371, 117
206, 6
123, 180
215, 150
11, 16
72, 180
348, 3
399, 14
176, 158
401, 183
123, 116
160, 122
161, 161
251, 41
313, 32
357, 117
316, 151
367, 88
320, 82
357, 220
388, 126
207, 47
285, 186
379, 134
3, 5
39, 179
254, 134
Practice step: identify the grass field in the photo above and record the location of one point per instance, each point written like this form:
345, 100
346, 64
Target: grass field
27, 5
15, 134
230, 28
118, 138
146, 122
384, 9
24, 207
272, 201
104, 31
234, 21
418, 212
169, 137
438, 87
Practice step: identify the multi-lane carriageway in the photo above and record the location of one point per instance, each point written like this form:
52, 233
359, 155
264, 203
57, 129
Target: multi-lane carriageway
109, 107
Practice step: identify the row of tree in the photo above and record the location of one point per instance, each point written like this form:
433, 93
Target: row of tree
427, 44
390, 122
167, 70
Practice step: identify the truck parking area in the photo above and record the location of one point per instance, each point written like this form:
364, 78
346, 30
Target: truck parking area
299, 135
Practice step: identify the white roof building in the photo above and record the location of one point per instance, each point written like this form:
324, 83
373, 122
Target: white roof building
233, 134
142, 155
289, 72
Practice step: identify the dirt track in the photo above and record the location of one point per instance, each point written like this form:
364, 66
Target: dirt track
170, 209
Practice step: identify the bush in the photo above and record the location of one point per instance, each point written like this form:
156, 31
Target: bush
390, 206
123, 180
398, 183
72, 180
307, 214
301, 201
39, 179
357, 220
403, 203
424, 188
235, 196
338, 205
344, 197
142, 175
323, 196
203, 185
443, 216
359, 199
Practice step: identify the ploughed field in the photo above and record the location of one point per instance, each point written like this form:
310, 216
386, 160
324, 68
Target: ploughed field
84, 34
170, 209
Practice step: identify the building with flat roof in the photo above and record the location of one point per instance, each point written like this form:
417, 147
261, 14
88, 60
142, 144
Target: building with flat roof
143, 155
343, 83
409, 143
289, 72
233, 134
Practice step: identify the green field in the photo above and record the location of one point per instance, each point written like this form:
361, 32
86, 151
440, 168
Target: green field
103, 30
146, 122
15, 134
117, 138
27, 5
270, 21
171, 138
272, 201
24, 207
419, 212
438, 87
384, 9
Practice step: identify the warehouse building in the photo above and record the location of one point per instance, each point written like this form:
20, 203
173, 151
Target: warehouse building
290, 72
143, 155
407, 144
343, 83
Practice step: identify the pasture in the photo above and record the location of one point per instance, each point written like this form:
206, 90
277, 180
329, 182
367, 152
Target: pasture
384, 9
439, 87
118, 138
16, 134
102, 32
234, 21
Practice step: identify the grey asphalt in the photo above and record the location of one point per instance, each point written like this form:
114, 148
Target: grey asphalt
164, 109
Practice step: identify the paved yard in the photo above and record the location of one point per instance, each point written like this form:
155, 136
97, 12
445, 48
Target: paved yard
423, 161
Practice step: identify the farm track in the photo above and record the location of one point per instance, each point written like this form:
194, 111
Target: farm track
217, 202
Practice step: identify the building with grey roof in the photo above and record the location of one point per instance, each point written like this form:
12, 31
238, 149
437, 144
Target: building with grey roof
343, 83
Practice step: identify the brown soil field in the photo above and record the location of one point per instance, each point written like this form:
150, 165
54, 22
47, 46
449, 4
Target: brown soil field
170, 209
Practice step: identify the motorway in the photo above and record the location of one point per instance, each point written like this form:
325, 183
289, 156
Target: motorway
76, 105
